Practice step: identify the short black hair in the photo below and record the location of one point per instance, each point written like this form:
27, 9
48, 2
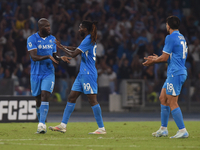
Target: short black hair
173, 22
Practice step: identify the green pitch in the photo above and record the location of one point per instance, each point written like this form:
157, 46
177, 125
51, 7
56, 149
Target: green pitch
120, 136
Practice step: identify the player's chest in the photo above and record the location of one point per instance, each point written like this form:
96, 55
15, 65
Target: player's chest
45, 45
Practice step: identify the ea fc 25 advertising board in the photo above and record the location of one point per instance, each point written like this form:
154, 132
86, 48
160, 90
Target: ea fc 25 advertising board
17, 109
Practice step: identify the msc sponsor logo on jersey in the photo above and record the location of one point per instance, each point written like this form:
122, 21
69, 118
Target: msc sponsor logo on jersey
48, 46
86, 86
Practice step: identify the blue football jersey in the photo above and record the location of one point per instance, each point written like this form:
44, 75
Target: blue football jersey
88, 56
44, 46
176, 47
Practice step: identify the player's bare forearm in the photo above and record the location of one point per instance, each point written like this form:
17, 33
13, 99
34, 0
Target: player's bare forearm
70, 48
71, 53
163, 58
68, 53
36, 57
150, 60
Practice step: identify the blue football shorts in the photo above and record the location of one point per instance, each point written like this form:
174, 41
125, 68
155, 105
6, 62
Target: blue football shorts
174, 84
42, 83
86, 84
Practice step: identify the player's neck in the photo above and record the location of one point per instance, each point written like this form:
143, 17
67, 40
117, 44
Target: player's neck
171, 31
42, 36
86, 34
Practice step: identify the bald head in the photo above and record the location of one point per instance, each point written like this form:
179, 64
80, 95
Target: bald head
42, 21
44, 27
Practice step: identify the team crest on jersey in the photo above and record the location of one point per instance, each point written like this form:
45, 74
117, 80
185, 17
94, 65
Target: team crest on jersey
30, 44
87, 86
39, 46
50, 41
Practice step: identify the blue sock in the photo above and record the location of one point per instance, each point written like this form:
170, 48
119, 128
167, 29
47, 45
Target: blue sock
165, 111
97, 114
38, 112
178, 118
44, 108
68, 111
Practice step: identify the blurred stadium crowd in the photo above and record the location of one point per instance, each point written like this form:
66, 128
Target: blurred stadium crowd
128, 30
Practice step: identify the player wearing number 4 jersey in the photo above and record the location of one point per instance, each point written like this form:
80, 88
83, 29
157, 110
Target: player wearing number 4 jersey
175, 54
86, 81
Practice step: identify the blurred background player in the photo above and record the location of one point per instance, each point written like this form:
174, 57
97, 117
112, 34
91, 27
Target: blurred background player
86, 81
42, 49
175, 54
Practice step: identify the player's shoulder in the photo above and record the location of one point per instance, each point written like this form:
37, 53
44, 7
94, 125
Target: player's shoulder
52, 37
181, 37
87, 38
172, 37
169, 37
32, 37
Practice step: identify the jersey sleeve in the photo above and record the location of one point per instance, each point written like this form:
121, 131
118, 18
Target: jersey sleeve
31, 43
85, 45
168, 45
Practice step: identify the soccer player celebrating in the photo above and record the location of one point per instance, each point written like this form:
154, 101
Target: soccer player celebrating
42, 49
86, 81
175, 54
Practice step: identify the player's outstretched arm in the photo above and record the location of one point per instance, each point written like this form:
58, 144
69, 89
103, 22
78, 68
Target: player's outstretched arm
63, 58
154, 56
65, 47
155, 59
68, 51
35, 57
70, 48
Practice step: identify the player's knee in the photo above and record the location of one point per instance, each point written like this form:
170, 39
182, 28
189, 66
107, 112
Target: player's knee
93, 102
45, 96
172, 103
71, 99
161, 98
